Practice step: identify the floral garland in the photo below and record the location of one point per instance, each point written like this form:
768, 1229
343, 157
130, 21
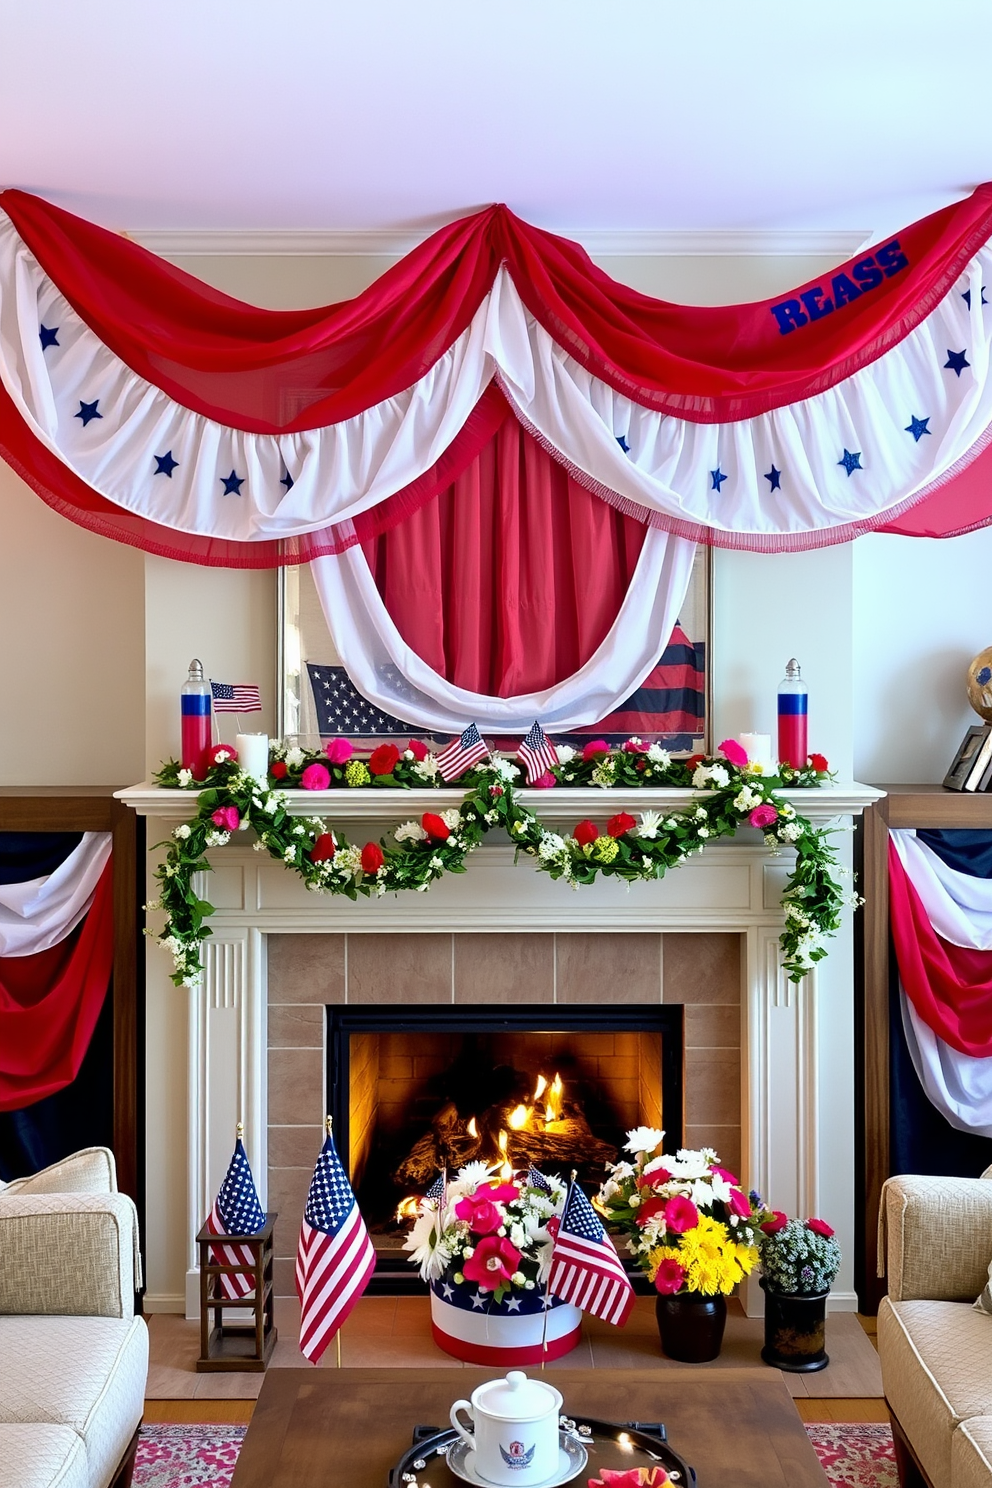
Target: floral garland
632, 848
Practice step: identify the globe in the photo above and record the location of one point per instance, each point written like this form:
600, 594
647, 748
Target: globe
980, 684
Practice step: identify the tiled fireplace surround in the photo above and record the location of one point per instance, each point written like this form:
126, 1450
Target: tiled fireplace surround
308, 972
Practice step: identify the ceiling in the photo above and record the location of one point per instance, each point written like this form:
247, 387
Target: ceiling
599, 114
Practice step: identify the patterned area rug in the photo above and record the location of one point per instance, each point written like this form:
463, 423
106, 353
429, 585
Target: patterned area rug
852, 1455
187, 1456
855, 1454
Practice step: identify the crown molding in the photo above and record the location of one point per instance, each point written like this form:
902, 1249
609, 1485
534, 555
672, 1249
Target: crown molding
389, 243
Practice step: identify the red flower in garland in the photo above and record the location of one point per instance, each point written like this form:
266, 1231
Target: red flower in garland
693, 761
315, 777
819, 763
383, 761
418, 749
279, 769
227, 818
324, 848
778, 1221
435, 826
595, 747
585, 832
621, 823
492, 1263
372, 857
217, 754
669, 1277
820, 1227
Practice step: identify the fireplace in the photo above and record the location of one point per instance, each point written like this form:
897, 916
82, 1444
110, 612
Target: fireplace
414, 1090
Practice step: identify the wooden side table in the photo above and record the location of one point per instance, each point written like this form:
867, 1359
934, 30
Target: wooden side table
237, 1346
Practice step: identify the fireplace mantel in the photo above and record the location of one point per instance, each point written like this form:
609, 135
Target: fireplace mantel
797, 1041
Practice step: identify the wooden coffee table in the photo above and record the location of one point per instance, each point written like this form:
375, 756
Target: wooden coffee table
330, 1428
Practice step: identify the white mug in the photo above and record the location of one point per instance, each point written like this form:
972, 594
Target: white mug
515, 1429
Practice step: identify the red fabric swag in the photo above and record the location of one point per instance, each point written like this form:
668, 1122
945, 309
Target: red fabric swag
949, 986
50, 1003
245, 366
510, 580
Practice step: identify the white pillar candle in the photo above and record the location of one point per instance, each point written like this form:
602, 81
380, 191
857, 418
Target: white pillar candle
758, 748
253, 755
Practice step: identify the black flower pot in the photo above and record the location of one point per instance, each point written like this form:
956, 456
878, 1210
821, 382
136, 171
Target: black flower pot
795, 1329
691, 1326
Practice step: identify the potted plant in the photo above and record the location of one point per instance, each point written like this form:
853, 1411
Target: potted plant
483, 1244
691, 1227
799, 1260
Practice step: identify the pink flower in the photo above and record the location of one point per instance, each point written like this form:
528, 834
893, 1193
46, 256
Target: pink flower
738, 1204
734, 752
480, 1213
670, 1277
725, 1174
631, 748
820, 1227
492, 1263
763, 816
546, 781
339, 751
315, 777
228, 818
594, 747
681, 1214
778, 1221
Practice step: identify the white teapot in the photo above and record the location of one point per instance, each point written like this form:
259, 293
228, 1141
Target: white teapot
515, 1429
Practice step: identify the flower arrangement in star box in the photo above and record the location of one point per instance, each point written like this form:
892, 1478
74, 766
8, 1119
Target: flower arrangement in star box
493, 1233
798, 1256
688, 1223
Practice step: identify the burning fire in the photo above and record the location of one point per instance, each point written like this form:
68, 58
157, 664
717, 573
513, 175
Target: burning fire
407, 1208
473, 1130
519, 1117
554, 1101
506, 1168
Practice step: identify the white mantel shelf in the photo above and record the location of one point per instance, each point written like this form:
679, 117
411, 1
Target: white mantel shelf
566, 803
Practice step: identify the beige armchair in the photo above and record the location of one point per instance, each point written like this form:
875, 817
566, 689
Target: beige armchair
75, 1357
935, 1348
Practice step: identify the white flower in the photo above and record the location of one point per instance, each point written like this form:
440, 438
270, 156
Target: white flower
605, 772
784, 809
182, 832
551, 846
436, 863
635, 741
746, 799
472, 1174
504, 768
185, 778
223, 755
643, 1139
428, 1248
426, 768
299, 831
271, 805
295, 757
565, 753
704, 775
193, 979
171, 944
452, 818
218, 839
410, 831
704, 831
422, 888
289, 854
791, 832
659, 756
650, 822
348, 860
243, 824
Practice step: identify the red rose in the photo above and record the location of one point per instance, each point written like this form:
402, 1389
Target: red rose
819, 763
820, 1227
217, 754
621, 823
640, 763
594, 747
418, 749
323, 848
435, 826
372, 857
681, 1214
382, 761
669, 1277
649, 1208
585, 832
693, 761
279, 769
778, 1221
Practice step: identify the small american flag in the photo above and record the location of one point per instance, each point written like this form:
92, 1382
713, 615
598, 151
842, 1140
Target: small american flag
335, 1257
236, 1211
537, 1180
537, 753
461, 754
236, 697
437, 1193
585, 1267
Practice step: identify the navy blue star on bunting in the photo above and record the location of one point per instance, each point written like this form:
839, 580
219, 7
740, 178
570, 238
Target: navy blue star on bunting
622, 442
232, 483
287, 481
88, 411
774, 479
851, 461
48, 336
918, 427
966, 296
717, 476
956, 361
165, 464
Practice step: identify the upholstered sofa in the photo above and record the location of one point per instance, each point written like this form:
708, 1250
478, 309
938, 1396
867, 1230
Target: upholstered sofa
935, 1347
73, 1356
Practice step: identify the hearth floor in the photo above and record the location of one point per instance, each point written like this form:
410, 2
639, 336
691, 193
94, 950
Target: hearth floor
394, 1332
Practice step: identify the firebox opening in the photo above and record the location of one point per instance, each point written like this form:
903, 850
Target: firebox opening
417, 1090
